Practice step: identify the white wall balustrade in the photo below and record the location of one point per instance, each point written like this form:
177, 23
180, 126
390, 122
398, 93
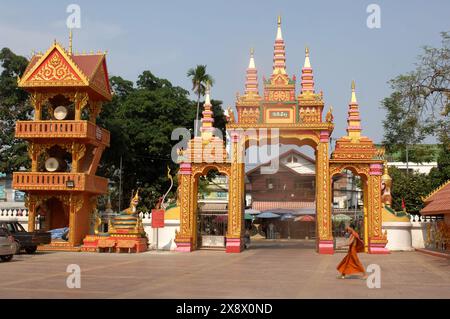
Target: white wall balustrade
423, 230
15, 214
164, 236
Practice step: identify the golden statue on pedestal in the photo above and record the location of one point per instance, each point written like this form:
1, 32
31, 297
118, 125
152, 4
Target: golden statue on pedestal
386, 184
128, 221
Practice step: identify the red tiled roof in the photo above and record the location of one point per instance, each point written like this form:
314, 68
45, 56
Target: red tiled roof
90, 67
33, 61
438, 202
87, 63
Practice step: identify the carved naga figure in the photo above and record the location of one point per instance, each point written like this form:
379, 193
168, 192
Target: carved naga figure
133, 204
163, 203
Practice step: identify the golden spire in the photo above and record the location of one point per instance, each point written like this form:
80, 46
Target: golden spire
251, 64
353, 119
279, 55
70, 41
307, 63
207, 93
353, 100
279, 35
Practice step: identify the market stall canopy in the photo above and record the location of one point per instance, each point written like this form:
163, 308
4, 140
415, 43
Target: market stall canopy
295, 212
248, 216
267, 215
252, 211
287, 216
341, 217
305, 218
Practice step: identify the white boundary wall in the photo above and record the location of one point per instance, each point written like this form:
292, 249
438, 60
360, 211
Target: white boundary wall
405, 236
402, 236
166, 235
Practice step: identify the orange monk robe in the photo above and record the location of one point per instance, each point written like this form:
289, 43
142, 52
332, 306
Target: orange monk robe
351, 264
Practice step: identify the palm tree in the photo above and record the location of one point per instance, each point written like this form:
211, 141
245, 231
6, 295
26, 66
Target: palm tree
200, 79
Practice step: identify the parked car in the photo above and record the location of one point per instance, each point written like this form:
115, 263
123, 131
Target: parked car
7, 245
26, 240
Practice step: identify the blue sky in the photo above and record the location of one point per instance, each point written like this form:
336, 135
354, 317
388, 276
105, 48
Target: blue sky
169, 37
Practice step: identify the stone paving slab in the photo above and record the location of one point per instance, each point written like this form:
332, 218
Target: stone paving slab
267, 270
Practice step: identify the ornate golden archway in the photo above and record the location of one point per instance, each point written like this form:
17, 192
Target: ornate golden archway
280, 115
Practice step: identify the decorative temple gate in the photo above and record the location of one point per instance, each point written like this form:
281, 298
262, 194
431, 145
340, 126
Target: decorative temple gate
279, 116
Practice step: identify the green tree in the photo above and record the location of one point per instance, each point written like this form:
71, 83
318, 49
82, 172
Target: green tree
402, 128
141, 120
440, 174
14, 106
425, 92
200, 79
412, 188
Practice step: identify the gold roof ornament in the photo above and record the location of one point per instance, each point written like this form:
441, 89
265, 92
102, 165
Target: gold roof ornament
70, 41
353, 100
279, 35
307, 63
386, 175
251, 64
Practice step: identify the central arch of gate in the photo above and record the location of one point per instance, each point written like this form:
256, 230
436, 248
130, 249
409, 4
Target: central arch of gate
280, 115
316, 135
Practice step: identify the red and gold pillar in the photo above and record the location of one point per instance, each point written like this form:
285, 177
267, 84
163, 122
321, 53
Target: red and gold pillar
323, 197
185, 237
235, 243
377, 240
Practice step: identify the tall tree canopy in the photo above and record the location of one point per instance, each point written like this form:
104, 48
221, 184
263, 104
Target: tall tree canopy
423, 94
402, 127
200, 80
419, 107
141, 119
14, 106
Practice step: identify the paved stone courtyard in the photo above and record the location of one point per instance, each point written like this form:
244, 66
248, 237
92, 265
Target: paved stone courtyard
268, 270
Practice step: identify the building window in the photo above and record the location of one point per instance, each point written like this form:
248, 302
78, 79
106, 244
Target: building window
293, 159
304, 184
272, 183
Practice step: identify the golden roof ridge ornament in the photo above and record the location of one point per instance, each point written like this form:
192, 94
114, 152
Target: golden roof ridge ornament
437, 189
70, 41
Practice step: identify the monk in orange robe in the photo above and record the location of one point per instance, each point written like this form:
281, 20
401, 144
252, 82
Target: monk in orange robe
351, 264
